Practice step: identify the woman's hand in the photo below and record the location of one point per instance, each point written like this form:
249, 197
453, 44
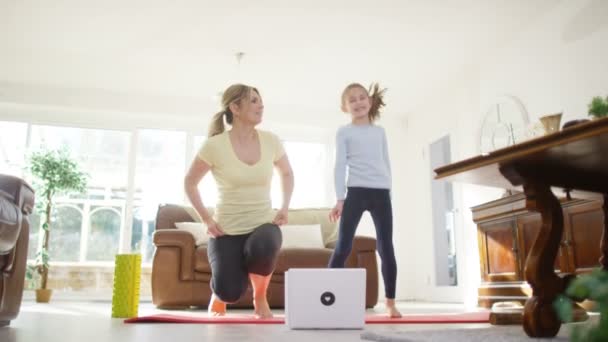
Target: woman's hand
287, 186
213, 229
281, 218
336, 212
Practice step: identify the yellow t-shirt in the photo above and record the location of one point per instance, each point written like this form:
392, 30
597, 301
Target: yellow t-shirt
244, 190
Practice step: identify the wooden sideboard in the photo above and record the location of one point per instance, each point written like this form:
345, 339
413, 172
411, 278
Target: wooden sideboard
573, 158
506, 231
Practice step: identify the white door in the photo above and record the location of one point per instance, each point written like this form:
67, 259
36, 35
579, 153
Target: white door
445, 281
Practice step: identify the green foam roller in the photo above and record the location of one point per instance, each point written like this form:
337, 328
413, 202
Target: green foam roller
125, 297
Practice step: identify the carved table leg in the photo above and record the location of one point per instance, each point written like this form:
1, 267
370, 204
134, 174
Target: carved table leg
540, 319
604, 243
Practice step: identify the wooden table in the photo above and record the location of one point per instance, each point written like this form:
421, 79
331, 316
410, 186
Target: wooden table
575, 159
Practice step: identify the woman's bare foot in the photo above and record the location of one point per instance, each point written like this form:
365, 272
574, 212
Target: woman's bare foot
261, 308
216, 307
260, 303
391, 309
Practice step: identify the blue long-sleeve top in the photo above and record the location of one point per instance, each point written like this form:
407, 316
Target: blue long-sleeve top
361, 158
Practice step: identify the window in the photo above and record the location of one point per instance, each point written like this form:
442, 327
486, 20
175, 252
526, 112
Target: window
159, 178
34, 236
65, 233
102, 153
87, 228
141, 235
308, 161
104, 233
91, 222
13, 136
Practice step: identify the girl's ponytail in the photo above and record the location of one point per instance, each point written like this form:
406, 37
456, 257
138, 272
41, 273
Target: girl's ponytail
377, 101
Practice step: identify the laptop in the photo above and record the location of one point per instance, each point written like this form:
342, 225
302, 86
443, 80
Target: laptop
325, 298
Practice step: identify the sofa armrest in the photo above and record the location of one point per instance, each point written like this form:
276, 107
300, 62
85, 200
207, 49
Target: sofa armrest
18, 192
184, 241
10, 224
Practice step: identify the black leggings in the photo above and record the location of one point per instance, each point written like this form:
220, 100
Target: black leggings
378, 203
233, 257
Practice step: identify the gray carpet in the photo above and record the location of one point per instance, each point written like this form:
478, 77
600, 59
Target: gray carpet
492, 334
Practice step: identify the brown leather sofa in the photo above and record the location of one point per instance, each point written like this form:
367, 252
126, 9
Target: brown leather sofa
16, 203
181, 271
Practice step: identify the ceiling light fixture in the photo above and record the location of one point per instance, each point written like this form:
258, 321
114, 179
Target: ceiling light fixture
237, 78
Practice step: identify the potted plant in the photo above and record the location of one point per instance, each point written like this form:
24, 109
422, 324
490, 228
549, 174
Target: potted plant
54, 172
598, 108
592, 286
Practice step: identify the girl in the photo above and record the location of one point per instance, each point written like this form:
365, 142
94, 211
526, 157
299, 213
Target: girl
361, 145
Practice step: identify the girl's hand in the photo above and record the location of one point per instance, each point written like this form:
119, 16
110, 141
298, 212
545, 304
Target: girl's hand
281, 218
336, 212
213, 229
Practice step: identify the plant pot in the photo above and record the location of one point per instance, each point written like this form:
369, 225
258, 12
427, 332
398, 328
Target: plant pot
43, 295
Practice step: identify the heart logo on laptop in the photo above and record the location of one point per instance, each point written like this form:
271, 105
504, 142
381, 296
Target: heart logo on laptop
328, 298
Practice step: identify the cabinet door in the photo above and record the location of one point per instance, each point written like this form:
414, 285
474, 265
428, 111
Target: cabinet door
528, 227
584, 225
498, 251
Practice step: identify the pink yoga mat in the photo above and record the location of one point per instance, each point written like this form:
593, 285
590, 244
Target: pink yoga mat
464, 317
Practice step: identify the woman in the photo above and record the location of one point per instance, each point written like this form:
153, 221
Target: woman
245, 235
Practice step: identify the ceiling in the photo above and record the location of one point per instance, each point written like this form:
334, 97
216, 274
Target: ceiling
175, 56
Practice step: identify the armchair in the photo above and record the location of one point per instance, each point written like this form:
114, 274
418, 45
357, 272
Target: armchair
16, 203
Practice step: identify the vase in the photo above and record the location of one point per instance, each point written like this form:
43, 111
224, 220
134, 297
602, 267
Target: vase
551, 122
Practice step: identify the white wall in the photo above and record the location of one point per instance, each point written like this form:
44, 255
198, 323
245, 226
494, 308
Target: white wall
409, 143
556, 65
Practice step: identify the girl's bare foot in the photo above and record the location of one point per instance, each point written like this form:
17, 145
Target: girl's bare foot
261, 308
216, 306
393, 312
391, 309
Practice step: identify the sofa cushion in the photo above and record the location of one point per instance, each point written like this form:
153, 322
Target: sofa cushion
169, 214
316, 215
198, 231
302, 236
